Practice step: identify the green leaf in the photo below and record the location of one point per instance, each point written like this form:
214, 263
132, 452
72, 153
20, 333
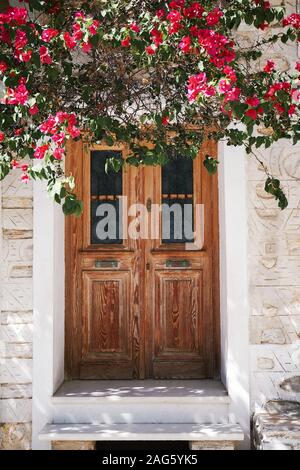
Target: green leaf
272, 186
72, 206
211, 164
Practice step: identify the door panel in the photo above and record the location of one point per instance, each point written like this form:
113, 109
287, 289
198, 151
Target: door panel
107, 321
145, 307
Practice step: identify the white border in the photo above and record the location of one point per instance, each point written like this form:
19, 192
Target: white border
48, 280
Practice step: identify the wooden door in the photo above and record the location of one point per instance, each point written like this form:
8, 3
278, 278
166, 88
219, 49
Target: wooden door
142, 295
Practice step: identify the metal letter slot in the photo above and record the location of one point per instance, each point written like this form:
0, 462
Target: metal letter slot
107, 264
178, 263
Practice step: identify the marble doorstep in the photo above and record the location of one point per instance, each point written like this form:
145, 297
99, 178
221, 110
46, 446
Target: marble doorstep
170, 391
142, 432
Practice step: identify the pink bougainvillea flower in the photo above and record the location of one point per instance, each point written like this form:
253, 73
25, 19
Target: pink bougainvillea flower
292, 109
45, 56
126, 42
214, 17
18, 95
292, 20
233, 94
86, 47
20, 39
49, 34
253, 101
224, 86
177, 4
185, 44
157, 37
40, 151
174, 16
33, 110
150, 50
3, 66
135, 27
2, 136
195, 10
59, 138
73, 131
14, 164
93, 29
197, 85
269, 67
251, 113
165, 120
160, 14
25, 56
24, 167
70, 41
25, 178
58, 153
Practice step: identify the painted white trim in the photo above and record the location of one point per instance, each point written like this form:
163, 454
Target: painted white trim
48, 266
48, 308
235, 368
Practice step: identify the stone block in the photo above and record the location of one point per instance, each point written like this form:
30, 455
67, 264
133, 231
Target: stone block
15, 436
275, 301
15, 371
16, 333
15, 391
15, 350
12, 234
16, 270
277, 271
17, 295
11, 186
292, 384
73, 445
13, 318
278, 428
211, 445
17, 202
265, 330
16, 410
17, 250
17, 219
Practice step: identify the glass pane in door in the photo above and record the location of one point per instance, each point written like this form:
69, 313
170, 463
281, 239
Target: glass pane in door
178, 201
106, 190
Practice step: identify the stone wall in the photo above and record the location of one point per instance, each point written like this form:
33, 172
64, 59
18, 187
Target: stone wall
16, 313
274, 264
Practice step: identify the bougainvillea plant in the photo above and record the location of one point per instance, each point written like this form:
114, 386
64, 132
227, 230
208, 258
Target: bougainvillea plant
169, 73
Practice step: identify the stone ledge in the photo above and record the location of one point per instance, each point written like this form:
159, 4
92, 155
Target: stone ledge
278, 428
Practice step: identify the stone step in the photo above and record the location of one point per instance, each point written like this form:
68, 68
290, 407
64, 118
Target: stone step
193, 433
149, 401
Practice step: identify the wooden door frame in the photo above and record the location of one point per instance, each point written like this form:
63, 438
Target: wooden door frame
74, 242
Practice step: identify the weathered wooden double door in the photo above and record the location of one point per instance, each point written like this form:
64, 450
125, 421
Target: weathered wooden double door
141, 287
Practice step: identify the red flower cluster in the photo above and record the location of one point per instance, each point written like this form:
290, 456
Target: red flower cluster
49, 34
218, 47
292, 20
17, 95
197, 85
58, 127
214, 17
271, 95
14, 16
83, 28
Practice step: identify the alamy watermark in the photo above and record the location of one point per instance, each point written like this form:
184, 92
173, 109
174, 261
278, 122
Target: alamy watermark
177, 222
